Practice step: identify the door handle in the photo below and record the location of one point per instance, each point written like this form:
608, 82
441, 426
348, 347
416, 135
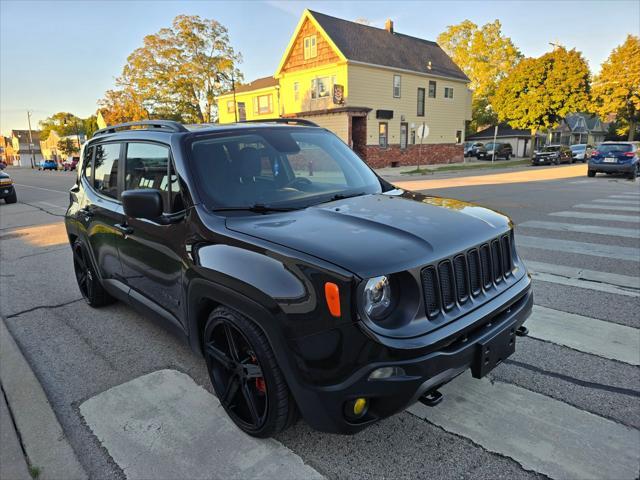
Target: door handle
126, 229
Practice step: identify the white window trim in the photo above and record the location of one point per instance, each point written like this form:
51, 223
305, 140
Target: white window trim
399, 77
448, 89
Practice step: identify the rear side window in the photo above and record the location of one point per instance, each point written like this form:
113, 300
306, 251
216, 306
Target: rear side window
88, 153
148, 165
105, 178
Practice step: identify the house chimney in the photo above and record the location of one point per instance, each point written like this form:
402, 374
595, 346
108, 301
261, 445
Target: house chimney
388, 25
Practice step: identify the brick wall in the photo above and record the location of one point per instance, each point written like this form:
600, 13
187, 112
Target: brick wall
428, 154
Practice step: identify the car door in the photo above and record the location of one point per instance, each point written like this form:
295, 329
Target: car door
101, 214
150, 252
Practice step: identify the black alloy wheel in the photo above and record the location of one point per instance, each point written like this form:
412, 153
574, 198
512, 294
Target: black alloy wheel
245, 375
88, 283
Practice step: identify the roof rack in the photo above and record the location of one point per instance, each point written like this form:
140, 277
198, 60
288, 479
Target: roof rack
168, 125
288, 121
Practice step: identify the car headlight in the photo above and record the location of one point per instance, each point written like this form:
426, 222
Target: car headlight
377, 301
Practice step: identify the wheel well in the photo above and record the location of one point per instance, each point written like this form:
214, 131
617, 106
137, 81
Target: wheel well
203, 310
72, 238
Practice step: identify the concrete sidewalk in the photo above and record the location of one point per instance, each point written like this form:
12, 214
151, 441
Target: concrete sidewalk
13, 464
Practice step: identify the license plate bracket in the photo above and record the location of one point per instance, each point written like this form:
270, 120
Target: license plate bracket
492, 352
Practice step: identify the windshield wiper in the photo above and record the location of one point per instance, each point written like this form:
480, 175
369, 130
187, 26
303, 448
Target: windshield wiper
257, 208
342, 196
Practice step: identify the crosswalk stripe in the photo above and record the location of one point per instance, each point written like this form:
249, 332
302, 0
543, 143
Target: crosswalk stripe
592, 279
574, 227
589, 335
582, 248
617, 208
630, 201
625, 195
598, 216
542, 434
147, 423
574, 282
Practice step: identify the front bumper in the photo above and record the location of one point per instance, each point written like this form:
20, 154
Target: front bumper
613, 167
6, 191
324, 405
544, 160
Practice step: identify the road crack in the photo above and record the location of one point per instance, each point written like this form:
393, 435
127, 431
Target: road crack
40, 307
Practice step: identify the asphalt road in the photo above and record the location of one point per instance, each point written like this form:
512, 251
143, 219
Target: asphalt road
565, 405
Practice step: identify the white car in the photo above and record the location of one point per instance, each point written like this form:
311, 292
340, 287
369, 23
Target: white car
581, 151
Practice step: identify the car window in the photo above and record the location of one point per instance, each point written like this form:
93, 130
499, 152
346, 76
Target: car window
551, 149
105, 179
88, 166
147, 166
615, 147
289, 167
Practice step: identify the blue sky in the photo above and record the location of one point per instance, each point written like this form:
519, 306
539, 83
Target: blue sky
63, 55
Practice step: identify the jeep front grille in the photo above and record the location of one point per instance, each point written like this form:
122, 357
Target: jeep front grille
467, 275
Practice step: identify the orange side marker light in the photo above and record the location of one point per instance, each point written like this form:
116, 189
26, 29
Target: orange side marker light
332, 294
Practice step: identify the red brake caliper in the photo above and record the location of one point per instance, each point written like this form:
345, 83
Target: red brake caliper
260, 385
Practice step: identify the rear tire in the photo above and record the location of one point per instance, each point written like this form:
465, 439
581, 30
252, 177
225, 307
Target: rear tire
261, 404
591, 173
88, 282
13, 198
633, 175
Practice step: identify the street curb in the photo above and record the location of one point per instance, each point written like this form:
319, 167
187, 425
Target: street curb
42, 436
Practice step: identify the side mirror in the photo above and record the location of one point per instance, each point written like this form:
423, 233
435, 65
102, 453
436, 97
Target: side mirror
142, 203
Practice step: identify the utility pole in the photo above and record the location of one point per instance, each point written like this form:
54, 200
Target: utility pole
33, 157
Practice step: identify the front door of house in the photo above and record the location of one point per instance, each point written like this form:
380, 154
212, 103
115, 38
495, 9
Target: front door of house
404, 135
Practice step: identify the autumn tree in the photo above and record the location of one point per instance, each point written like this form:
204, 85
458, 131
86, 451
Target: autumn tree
177, 73
616, 90
485, 55
539, 92
67, 147
63, 123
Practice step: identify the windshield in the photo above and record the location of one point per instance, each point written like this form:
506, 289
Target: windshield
615, 147
577, 148
551, 149
278, 167
490, 146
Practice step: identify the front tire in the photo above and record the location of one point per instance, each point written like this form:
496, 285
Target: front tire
13, 198
88, 282
591, 173
245, 375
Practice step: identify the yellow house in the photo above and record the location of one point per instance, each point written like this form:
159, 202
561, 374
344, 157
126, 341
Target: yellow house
377, 89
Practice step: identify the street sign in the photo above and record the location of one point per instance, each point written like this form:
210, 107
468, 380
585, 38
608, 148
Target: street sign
422, 131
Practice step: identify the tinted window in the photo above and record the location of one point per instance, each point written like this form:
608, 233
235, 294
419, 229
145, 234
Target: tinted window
105, 178
615, 147
283, 167
551, 149
147, 166
88, 152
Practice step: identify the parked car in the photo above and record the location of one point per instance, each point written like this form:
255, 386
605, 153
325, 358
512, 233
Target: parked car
552, 154
48, 165
283, 281
615, 157
70, 164
502, 150
471, 148
7, 189
581, 152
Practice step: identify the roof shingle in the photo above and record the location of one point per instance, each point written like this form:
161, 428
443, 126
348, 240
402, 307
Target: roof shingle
377, 46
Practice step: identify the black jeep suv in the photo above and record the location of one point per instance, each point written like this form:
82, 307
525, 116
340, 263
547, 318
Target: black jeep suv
308, 283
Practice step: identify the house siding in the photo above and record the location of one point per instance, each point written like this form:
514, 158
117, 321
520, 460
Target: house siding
224, 116
373, 87
325, 53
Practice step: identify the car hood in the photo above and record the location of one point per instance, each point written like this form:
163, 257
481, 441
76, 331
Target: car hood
378, 234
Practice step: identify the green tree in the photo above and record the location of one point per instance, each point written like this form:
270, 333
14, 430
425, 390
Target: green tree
177, 73
63, 123
616, 90
90, 125
539, 92
485, 55
67, 147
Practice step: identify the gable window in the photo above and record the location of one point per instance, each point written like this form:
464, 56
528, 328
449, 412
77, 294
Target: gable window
396, 86
310, 47
420, 102
448, 92
383, 136
432, 89
263, 104
320, 87
296, 91
230, 106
